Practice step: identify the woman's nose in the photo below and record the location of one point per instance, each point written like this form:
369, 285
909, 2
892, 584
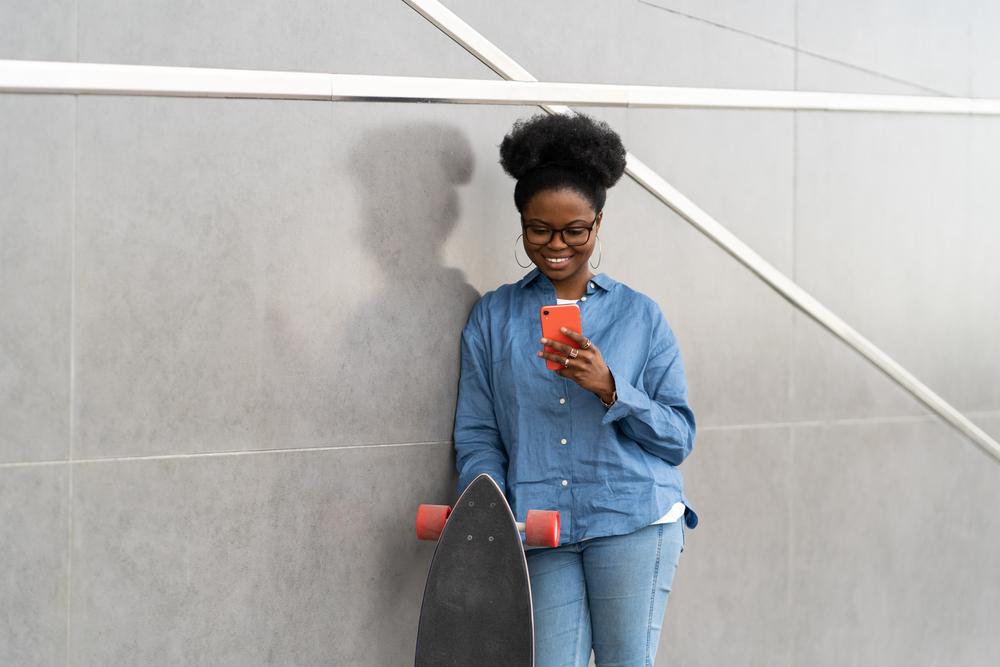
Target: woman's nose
556, 242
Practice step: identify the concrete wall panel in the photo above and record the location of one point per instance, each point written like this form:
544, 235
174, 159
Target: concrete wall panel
34, 30
36, 238
373, 37
925, 43
632, 42
312, 289
33, 559
883, 237
773, 19
306, 558
729, 603
984, 49
894, 546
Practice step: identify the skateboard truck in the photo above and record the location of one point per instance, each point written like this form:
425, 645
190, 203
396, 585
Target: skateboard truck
541, 527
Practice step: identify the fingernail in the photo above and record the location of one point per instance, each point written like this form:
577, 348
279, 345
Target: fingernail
543, 340
563, 329
538, 353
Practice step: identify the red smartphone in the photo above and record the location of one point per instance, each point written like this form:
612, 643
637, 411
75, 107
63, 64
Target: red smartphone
553, 317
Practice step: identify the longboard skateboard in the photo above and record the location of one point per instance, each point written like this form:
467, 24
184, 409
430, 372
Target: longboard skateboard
477, 601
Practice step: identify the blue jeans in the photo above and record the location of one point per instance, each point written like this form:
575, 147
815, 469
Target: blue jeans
607, 592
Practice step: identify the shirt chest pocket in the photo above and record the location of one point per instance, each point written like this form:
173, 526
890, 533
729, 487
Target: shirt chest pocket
521, 382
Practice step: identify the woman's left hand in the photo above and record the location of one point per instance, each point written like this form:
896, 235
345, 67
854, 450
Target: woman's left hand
587, 368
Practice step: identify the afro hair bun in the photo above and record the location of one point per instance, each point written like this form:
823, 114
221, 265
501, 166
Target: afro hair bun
576, 141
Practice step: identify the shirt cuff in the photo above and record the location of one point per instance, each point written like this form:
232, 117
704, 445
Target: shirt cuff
629, 399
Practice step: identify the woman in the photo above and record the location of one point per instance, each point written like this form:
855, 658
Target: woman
598, 439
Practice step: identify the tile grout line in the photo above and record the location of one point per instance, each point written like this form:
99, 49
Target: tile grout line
789, 570
790, 350
900, 419
790, 471
72, 356
203, 455
795, 47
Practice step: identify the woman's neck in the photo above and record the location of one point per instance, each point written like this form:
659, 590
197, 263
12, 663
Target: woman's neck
573, 287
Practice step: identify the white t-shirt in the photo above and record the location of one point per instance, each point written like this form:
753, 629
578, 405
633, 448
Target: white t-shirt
675, 512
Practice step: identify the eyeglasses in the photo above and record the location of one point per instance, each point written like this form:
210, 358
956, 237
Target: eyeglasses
538, 234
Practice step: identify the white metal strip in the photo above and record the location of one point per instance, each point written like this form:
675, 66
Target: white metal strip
740, 251
25, 76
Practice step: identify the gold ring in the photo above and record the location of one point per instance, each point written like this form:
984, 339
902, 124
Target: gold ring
586, 345
573, 352
566, 362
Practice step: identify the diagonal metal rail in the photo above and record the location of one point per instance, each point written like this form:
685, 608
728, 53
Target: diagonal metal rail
506, 67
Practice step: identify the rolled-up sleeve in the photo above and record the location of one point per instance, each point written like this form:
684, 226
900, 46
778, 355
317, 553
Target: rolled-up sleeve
478, 447
656, 414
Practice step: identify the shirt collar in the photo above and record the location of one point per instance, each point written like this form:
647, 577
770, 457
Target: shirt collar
602, 280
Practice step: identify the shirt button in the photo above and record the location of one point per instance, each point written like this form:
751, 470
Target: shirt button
563, 441
591, 284
565, 482
561, 401
583, 298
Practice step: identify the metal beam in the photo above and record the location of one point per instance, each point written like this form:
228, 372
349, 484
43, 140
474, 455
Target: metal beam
27, 76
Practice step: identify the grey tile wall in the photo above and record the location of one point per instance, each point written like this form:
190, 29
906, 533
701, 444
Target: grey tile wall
893, 37
36, 238
823, 74
303, 286
723, 332
774, 20
303, 558
984, 50
38, 30
729, 603
374, 37
884, 234
34, 525
895, 541
629, 42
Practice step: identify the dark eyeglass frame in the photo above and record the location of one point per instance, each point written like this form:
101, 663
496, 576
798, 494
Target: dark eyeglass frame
552, 232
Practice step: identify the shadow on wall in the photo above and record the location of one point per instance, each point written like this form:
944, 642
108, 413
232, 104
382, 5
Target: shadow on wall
403, 341
366, 323
364, 318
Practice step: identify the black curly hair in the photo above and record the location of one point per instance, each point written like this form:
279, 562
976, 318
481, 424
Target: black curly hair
555, 151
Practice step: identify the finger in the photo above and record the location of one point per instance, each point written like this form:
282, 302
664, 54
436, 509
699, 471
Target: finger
556, 345
579, 338
585, 343
554, 357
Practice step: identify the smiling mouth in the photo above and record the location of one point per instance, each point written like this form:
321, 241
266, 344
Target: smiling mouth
556, 262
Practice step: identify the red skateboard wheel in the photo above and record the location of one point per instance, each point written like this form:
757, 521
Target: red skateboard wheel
431, 520
541, 529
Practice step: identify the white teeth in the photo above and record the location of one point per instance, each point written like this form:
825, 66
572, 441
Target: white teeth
557, 260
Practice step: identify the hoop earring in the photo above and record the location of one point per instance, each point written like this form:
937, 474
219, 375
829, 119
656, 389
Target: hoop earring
523, 266
600, 253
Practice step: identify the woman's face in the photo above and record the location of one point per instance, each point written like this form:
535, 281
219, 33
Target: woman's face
560, 209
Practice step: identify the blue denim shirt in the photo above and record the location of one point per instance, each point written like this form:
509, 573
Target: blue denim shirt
551, 444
